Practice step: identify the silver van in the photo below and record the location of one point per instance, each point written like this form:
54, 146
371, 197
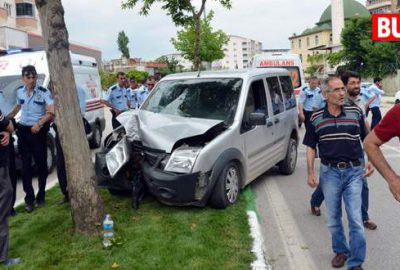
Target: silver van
207, 135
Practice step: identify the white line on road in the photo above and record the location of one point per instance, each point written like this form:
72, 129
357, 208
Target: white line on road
258, 243
396, 149
298, 256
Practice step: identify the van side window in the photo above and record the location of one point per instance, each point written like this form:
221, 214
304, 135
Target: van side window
276, 95
288, 93
256, 102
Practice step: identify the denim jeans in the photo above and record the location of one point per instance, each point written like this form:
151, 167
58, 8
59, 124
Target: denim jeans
318, 197
347, 184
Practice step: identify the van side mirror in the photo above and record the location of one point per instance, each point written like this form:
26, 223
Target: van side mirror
257, 119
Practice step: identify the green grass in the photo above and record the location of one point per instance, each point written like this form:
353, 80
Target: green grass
154, 237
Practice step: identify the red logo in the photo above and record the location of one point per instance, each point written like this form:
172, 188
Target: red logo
386, 27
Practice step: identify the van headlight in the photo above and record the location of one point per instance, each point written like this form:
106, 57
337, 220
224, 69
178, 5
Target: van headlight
182, 160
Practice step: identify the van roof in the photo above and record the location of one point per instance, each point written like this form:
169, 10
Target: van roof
245, 73
11, 64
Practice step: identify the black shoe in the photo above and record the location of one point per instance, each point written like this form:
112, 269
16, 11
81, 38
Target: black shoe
40, 204
11, 261
29, 208
13, 213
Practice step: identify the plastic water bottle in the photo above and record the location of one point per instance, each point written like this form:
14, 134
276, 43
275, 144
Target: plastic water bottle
108, 230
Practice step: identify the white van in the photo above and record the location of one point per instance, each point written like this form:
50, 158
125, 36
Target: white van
290, 62
204, 136
86, 75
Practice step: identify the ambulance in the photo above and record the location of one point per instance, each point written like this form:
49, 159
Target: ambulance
291, 62
86, 75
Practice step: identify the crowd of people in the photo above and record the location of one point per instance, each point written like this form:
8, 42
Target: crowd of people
335, 118
334, 115
128, 94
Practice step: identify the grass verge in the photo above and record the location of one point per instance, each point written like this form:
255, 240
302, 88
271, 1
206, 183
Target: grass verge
154, 237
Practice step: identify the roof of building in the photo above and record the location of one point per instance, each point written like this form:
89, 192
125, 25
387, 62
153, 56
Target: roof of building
351, 8
317, 29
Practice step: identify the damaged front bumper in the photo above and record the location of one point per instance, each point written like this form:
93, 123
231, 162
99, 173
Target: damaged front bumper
176, 188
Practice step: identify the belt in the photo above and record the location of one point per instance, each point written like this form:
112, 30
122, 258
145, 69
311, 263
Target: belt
342, 165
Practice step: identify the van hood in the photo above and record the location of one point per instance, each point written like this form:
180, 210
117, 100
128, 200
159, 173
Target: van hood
162, 131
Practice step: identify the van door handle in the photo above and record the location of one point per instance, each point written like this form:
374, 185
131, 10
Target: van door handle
269, 124
276, 120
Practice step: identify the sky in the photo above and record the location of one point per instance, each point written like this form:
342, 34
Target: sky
97, 23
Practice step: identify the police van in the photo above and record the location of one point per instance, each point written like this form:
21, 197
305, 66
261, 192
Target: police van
290, 62
86, 75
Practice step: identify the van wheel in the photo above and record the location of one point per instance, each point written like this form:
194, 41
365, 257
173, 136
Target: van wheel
397, 101
226, 190
288, 165
95, 142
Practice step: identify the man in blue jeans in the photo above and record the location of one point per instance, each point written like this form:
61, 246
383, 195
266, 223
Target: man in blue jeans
352, 82
337, 130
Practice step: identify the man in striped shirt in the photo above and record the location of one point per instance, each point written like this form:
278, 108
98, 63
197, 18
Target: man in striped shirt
337, 130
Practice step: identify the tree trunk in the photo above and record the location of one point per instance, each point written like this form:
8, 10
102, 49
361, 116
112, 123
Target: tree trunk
87, 206
197, 59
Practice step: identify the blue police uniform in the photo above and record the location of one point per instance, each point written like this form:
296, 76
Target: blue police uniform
132, 97
142, 94
118, 97
33, 108
311, 99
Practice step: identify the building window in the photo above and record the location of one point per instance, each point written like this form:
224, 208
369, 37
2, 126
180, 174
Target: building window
25, 9
292, 44
308, 42
316, 40
299, 43
7, 7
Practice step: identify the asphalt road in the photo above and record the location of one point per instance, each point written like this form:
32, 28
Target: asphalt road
295, 239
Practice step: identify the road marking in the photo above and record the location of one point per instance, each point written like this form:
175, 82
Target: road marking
299, 258
258, 243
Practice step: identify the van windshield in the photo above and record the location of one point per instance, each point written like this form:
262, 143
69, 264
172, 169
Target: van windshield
199, 98
8, 90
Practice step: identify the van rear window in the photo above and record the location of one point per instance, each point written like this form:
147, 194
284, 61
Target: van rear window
294, 73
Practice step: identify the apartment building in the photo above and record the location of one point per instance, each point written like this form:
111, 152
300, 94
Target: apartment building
238, 53
20, 28
383, 6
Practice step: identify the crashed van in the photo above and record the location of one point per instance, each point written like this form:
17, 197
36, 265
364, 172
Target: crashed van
201, 137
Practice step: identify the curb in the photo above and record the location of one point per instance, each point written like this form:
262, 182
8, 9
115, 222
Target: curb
260, 262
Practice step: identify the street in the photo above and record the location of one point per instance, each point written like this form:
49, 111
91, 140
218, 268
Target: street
295, 239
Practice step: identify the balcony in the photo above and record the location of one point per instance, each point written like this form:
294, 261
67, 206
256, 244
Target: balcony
379, 5
27, 23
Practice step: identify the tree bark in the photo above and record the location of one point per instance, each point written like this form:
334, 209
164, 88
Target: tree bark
87, 207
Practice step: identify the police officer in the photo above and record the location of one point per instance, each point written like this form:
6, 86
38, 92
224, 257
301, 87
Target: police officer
37, 111
311, 99
5, 191
6, 106
132, 93
117, 99
61, 171
144, 90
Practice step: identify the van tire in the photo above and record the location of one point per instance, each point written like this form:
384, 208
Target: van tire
95, 142
288, 165
227, 187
